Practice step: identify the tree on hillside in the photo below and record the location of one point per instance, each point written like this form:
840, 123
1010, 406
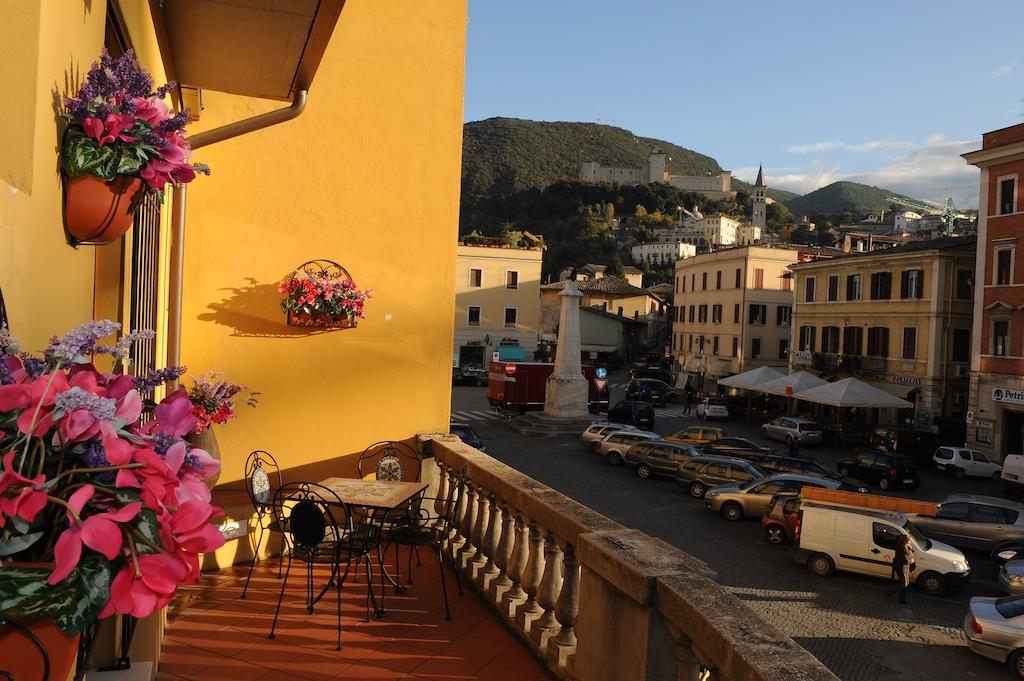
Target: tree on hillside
616, 268
777, 215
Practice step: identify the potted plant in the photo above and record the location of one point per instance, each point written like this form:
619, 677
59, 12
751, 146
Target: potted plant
100, 514
213, 400
322, 294
122, 142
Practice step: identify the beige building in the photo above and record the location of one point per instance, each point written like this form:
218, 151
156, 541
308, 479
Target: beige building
732, 312
719, 229
899, 318
497, 304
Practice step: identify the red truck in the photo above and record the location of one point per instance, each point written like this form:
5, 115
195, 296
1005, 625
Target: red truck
521, 386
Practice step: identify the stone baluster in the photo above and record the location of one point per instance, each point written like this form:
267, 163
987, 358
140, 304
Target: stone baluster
459, 499
474, 562
515, 595
440, 503
547, 595
688, 666
468, 523
566, 608
531, 609
502, 554
489, 570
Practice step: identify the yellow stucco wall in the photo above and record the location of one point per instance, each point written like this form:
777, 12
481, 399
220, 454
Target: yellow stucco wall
368, 176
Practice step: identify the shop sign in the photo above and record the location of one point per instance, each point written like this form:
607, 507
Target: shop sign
983, 432
805, 355
905, 380
1008, 395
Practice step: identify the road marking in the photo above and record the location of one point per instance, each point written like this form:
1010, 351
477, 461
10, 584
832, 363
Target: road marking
474, 416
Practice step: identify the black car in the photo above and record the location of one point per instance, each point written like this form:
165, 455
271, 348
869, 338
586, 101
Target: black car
633, 413
918, 444
883, 469
651, 390
467, 435
735, 446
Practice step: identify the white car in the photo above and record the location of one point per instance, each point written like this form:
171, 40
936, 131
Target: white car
962, 462
788, 429
614, 445
712, 408
598, 429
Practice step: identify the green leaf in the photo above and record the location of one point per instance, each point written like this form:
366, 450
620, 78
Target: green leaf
72, 604
146, 523
19, 543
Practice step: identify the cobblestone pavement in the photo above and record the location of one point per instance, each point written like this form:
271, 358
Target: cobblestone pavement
847, 621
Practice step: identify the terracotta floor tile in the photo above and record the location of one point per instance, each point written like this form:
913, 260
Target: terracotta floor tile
230, 669
185, 661
398, 656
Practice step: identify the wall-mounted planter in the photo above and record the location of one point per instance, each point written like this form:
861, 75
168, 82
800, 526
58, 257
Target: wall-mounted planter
99, 212
322, 294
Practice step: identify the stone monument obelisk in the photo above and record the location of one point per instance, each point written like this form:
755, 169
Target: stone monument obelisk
567, 393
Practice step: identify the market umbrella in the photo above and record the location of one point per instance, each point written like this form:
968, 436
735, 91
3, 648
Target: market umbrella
798, 382
851, 392
749, 380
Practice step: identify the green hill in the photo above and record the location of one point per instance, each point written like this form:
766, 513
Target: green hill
843, 196
503, 155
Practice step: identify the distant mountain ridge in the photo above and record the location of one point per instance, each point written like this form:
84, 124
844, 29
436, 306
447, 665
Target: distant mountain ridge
843, 196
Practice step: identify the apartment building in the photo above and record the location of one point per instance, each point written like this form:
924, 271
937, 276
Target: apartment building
732, 312
996, 411
898, 318
497, 303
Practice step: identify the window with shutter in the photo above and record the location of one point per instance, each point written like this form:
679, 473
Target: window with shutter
833, 288
853, 287
910, 342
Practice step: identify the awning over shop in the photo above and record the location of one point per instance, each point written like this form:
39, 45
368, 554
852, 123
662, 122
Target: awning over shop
851, 392
792, 384
749, 380
511, 353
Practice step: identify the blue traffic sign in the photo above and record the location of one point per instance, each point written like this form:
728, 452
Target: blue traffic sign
602, 372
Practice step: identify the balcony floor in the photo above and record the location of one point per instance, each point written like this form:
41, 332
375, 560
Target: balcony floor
212, 634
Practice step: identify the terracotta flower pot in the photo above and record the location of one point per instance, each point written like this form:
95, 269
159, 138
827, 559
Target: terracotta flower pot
207, 441
99, 212
320, 320
21, 658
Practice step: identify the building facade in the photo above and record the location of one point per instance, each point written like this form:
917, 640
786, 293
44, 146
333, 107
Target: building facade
898, 318
996, 417
732, 312
497, 304
662, 252
719, 230
748, 235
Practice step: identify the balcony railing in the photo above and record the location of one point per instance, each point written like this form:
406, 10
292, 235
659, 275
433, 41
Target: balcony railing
854, 364
595, 600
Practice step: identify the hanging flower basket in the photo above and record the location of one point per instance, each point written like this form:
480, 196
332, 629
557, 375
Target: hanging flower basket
122, 143
322, 294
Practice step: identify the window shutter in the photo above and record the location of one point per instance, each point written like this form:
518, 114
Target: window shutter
919, 293
905, 284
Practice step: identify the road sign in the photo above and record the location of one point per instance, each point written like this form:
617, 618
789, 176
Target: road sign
495, 357
602, 372
970, 417
600, 383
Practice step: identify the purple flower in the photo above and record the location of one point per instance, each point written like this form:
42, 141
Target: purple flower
75, 398
164, 441
78, 344
95, 456
174, 123
8, 344
157, 377
162, 91
33, 366
5, 372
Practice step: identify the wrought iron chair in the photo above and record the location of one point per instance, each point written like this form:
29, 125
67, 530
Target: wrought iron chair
262, 477
435, 531
398, 462
320, 531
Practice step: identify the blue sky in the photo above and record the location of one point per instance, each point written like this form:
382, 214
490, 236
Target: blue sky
888, 93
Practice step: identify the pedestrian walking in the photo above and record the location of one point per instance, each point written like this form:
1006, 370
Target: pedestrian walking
903, 565
794, 447
687, 400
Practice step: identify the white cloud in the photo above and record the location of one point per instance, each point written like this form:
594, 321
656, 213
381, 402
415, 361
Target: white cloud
1004, 70
835, 145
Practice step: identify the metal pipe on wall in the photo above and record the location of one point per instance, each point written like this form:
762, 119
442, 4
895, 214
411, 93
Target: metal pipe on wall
177, 255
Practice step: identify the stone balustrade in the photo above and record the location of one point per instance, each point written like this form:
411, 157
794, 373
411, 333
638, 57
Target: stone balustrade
597, 601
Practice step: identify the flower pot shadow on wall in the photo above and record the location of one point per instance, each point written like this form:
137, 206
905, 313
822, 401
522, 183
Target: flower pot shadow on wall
99, 212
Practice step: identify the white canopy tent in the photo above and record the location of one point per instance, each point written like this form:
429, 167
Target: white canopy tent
851, 392
749, 380
799, 382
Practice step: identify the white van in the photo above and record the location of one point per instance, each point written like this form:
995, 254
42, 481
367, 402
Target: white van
834, 537
1013, 474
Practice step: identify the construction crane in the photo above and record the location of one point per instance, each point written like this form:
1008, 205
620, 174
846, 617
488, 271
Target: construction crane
948, 213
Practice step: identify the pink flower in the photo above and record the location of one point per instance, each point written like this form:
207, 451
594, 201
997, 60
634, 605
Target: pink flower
155, 481
100, 532
173, 416
44, 392
141, 593
151, 110
24, 504
110, 128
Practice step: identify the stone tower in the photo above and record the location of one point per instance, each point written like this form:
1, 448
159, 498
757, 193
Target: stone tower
656, 164
760, 201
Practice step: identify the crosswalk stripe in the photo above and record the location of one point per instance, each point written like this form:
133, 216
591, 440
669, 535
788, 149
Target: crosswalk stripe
474, 415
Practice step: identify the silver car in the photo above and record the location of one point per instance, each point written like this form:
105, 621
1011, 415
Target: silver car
994, 628
751, 499
659, 457
614, 445
973, 521
1011, 577
598, 429
790, 429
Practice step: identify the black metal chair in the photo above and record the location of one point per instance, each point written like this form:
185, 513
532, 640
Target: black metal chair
320, 531
435, 531
262, 477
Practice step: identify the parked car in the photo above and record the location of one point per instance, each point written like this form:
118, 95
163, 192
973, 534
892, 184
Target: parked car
751, 499
614, 445
1013, 474
634, 413
864, 541
651, 390
907, 441
973, 521
790, 429
882, 468
658, 457
467, 435
457, 376
961, 462
1004, 554
598, 429
701, 473
712, 408
781, 518
474, 375
735, 446
696, 435
1011, 577
994, 628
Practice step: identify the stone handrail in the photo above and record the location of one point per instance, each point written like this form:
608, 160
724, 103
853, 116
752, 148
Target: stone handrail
595, 600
